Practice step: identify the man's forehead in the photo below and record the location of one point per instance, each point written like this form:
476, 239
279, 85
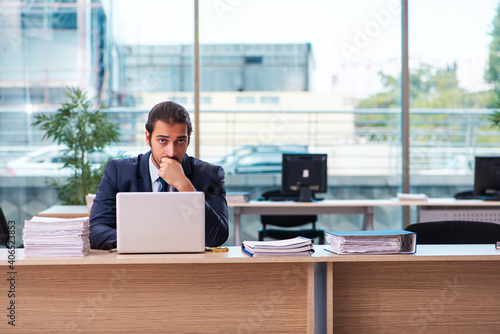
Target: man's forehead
166, 129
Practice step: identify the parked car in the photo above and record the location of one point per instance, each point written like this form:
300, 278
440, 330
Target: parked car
457, 165
47, 161
258, 159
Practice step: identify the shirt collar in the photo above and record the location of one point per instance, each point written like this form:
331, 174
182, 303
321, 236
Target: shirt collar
153, 170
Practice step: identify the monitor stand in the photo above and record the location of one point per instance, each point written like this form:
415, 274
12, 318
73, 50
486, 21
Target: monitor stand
305, 194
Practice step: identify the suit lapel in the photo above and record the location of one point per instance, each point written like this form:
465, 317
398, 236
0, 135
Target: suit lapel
186, 166
143, 177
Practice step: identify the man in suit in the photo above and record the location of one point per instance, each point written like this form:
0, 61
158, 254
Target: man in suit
166, 167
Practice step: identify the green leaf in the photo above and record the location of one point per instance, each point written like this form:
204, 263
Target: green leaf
82, 128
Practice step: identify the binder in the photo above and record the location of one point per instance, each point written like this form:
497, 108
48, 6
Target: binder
393, 241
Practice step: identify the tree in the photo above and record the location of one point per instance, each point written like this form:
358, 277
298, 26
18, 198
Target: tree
429, 88
82, 130
492, 74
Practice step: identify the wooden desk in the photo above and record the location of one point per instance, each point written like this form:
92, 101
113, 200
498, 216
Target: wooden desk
161, 293
339, 207
441, 289
447, 288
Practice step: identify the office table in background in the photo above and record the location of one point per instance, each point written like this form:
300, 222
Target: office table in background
65, 211
431, 210
325, 207
437, 209
348, 207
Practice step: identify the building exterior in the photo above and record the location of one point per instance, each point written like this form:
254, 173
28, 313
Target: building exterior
47, 46
224, 68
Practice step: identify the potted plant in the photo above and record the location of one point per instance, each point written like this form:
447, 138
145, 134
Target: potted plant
81, 128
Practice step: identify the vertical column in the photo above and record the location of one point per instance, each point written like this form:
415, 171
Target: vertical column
196, 81
405, 109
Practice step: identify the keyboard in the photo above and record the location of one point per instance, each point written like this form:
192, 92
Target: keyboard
479, 197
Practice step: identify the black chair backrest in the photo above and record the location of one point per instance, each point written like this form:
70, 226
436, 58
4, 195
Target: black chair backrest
284, 221
463, 194
456, 232
275, 195
4, 230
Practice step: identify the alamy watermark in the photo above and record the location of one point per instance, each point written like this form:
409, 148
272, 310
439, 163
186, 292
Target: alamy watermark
363, 36
221, 7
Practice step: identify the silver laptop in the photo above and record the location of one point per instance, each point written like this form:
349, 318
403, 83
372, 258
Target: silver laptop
160, 222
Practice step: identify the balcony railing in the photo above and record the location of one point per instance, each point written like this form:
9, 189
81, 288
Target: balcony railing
362, 141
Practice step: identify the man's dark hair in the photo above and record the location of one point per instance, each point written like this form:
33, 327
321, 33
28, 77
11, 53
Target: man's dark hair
170, 113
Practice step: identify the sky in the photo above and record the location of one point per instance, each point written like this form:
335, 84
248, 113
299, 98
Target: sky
343, 34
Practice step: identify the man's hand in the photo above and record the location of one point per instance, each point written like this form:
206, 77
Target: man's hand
171, 171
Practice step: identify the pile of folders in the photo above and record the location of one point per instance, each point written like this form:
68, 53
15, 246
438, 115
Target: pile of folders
298, 246
393, 241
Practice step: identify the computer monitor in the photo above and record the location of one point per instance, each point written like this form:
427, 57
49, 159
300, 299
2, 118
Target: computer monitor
305, 174
487, 176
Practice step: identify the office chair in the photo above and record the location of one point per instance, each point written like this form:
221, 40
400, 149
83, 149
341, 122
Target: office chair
464, 194
4, 230
285, 222
455, 232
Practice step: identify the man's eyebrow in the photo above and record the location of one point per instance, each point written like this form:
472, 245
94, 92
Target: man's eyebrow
165, 136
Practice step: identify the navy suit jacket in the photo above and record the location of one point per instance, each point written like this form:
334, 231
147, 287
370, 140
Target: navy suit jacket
132, 175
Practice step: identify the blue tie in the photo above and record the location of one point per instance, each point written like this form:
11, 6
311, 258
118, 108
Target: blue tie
164, 185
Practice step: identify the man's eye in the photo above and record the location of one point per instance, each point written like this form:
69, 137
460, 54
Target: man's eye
181, 141
162, 141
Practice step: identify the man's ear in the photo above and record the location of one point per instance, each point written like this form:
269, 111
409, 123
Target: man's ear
148, 138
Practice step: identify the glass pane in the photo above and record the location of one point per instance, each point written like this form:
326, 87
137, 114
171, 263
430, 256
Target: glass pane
307, 74
126, 54
450, 93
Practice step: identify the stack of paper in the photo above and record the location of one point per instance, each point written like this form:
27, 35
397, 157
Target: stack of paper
412, 197
371, 242
237, 197
46, 236
288, 247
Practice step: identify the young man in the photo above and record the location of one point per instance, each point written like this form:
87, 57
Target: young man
168, 131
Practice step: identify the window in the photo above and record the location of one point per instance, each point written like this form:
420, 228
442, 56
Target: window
449, 94
253, 60
290, 68
269, 99
317, 73
180, 100
245, 100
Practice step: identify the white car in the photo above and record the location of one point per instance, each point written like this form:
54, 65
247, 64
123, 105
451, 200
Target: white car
258, 159
47, 161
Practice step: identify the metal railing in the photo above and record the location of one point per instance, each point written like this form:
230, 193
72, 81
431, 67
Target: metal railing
356, 141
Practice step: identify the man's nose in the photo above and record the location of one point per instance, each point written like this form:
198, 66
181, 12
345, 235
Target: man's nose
170, 150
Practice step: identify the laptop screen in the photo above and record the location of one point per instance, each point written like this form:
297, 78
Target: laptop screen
160, 222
